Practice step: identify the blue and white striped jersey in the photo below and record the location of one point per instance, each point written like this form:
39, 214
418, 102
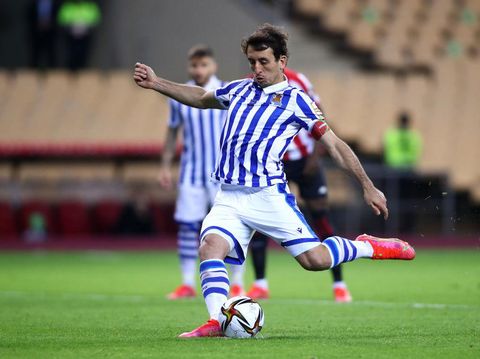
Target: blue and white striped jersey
201, 137
259, 127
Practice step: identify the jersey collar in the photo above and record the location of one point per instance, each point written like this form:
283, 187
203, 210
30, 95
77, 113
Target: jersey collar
277, 87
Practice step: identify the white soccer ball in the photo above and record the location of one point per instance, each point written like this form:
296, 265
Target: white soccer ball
241, 317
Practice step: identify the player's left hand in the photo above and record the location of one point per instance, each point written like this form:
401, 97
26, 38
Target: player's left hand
144, 76
376, 199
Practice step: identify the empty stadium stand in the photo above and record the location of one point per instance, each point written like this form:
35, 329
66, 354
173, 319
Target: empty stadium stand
93, 114
95, 127
400, 34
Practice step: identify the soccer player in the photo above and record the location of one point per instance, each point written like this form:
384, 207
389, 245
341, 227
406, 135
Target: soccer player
264, 115
301, 165
196, 191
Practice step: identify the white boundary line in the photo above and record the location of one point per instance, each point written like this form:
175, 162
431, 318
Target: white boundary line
144, 298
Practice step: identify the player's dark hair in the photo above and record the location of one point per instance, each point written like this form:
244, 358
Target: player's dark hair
267, 36
404, 120
199, 51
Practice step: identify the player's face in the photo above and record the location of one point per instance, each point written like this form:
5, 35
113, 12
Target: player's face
201, 69
266, 69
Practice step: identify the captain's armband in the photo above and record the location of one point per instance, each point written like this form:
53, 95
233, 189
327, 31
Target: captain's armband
319, 128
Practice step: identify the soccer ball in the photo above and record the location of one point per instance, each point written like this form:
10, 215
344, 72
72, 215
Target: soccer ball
241, 317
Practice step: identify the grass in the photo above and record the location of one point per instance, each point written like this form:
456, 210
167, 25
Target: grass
111, 304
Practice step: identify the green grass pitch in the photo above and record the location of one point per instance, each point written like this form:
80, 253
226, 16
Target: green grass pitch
111, 305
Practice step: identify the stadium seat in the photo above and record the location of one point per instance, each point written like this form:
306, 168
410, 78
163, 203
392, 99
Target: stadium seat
363, 35
5, 80
311, 8
18, 105
341, 190
41, 172
476, 191
73, 218
351, 109
163, 218
383, 106
5, 172
339, 16
8, 222
105, 215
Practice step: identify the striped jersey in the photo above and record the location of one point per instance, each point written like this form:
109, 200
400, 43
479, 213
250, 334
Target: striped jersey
201, 136
260, 124
303, 144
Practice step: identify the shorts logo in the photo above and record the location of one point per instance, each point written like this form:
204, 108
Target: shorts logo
322, 190
277, 99
299, 230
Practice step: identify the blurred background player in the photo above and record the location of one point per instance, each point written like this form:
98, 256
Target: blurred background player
402, 147
42, 24
78, 18
196, 191
302, 166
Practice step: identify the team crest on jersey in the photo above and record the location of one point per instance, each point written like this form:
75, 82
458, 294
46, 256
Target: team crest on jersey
317, 111
277, 99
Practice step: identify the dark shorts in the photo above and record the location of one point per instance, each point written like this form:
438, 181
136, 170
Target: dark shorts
311, 187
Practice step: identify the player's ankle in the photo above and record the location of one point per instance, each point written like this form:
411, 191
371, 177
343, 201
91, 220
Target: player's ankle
261, 283
339, 284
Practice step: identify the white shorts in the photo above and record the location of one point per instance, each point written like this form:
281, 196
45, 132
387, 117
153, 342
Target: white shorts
193, 202
239, 211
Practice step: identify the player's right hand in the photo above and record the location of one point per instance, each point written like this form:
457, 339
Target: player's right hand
165, 178
377, 201
144, 76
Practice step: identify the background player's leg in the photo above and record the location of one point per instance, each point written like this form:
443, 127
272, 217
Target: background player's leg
187, 240
259, 289
188, 251
324, 229
237, 272
259, 255
190, 208
314, 190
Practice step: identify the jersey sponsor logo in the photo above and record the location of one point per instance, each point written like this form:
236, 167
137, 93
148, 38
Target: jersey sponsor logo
299, 230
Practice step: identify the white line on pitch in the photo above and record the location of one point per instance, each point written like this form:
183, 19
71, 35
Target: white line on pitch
144, 298
375, 304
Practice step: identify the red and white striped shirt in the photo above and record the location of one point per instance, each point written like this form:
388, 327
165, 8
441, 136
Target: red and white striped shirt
303, 143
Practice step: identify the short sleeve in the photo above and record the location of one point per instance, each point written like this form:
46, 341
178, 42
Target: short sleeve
223, 94
175, 119
306, 111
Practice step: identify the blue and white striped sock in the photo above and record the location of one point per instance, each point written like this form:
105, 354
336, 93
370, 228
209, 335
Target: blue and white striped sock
215, 285
188, 250
343, 250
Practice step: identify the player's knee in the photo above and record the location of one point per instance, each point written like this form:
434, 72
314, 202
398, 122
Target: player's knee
316, 264
213, 247
315, 260
205, 248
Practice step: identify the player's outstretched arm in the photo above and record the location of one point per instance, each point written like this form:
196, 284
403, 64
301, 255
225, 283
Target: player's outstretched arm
193, 96
346, 158
165, 176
